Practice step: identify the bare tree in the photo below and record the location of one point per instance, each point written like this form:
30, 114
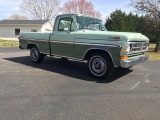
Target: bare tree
151, 7
41, 9
17, 17
80, 7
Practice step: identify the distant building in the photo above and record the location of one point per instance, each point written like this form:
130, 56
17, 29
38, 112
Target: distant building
10, 29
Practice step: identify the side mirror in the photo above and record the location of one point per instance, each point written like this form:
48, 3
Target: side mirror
66, 30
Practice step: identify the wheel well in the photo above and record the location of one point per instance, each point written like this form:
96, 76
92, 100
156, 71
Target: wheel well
93, 51
29, 46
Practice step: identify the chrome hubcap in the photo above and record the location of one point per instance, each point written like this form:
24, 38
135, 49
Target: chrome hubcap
98, 65
34, 54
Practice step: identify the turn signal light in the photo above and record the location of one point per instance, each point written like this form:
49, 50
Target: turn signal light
116, 38
124, 57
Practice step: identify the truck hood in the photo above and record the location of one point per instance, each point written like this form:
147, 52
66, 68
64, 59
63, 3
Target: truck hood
111, 35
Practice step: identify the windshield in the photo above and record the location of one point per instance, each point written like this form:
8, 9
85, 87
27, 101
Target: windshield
89, 23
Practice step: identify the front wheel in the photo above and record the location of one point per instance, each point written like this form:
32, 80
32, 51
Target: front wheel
100, 66
35, 55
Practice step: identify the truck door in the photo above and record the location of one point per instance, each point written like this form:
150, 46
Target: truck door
61, 41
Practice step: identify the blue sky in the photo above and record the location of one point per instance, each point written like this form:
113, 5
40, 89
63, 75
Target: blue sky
9, 7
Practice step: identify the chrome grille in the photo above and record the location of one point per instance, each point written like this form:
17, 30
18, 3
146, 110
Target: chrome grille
137, 47
145, 46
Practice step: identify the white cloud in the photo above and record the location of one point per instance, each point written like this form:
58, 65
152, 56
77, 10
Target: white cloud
8, 7
10, 2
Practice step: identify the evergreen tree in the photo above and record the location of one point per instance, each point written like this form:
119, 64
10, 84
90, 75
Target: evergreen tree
116, 22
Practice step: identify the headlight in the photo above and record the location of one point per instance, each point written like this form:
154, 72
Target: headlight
128, 48
125, 49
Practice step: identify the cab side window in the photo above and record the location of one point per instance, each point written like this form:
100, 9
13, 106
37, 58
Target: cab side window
66, 22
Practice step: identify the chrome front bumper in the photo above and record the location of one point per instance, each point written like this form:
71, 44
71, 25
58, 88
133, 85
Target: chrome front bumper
132, 62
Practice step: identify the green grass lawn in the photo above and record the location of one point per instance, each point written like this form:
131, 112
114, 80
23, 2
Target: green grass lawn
9, 43
152, 47
153, 56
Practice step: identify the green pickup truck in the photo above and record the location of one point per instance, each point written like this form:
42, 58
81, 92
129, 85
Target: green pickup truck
84, 38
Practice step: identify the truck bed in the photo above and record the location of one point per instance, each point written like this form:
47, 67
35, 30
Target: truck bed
39, 39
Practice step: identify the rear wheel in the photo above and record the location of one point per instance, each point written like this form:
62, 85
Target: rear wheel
35, 55
100, 65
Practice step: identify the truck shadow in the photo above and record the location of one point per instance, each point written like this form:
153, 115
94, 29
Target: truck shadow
78, 70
